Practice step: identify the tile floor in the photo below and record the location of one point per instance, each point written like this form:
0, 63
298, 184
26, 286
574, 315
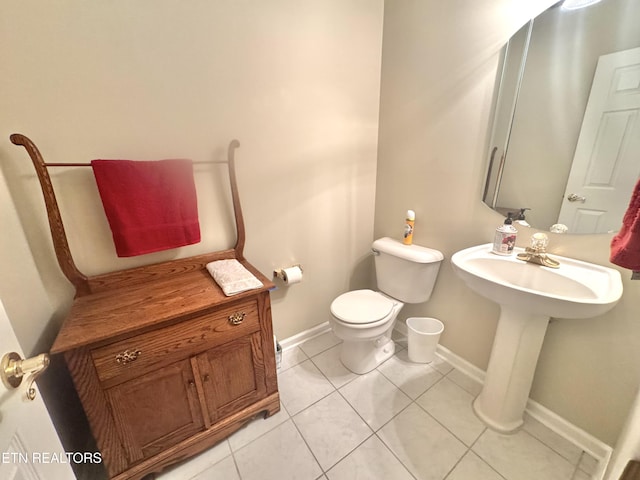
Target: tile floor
400, 421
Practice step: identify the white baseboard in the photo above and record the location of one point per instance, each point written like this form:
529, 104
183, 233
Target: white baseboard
583, 440
587, 442
304, 336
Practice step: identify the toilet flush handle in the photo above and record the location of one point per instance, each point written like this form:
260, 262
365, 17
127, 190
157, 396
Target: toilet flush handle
375, 252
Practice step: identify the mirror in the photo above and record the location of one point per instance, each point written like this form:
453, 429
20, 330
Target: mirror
560, 147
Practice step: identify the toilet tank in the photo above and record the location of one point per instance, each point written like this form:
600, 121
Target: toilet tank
406, 272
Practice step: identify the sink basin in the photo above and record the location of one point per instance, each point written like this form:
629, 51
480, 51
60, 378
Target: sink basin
528, 296
575, 290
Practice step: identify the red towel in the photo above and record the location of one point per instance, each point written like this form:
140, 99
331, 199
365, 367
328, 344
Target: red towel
625, 246
150, 205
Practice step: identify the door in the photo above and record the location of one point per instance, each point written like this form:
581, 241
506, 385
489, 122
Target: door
156, 410
606, 163
29, 445
233, 376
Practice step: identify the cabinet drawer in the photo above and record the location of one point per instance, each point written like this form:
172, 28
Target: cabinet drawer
135, 355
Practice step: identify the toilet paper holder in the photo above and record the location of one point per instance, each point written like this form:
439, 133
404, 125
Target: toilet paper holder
279, 273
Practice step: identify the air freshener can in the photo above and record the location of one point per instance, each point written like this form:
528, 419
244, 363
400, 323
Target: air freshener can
407, 237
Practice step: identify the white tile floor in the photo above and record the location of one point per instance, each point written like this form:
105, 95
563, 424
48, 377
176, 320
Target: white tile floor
400, 421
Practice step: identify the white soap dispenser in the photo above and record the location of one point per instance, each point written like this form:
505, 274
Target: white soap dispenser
505, 238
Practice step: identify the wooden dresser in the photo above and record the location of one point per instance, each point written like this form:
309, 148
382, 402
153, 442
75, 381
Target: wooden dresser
164, 363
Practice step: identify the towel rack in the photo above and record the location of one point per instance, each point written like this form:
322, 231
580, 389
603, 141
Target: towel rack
86, 285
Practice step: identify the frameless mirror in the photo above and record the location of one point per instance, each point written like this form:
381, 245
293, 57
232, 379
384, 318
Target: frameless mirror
566, 132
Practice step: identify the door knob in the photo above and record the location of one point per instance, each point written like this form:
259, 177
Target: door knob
13, 368
572, 197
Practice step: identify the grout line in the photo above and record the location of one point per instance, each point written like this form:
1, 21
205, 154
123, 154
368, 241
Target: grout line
295, 425
440, 423
335, 390
548, 445
449, 359
374, 432
575, 472
235, 463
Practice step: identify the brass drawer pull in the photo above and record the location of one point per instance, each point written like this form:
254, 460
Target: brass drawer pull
236, 318
127, 356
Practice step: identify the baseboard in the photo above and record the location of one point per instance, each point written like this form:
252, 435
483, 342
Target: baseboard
304, 336
587, 442
461, 364
583, 440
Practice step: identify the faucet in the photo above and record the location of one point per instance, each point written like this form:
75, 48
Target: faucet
536, 253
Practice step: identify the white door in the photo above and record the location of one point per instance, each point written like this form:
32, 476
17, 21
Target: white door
606, 163
29, 445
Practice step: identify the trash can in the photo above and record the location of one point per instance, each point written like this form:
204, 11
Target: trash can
278, 350
424, 334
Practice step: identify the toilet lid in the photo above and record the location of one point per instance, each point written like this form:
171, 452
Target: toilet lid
361, 306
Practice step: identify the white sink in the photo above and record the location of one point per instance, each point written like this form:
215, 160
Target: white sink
528, 295
575, 290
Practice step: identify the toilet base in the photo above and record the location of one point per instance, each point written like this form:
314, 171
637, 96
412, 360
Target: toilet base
363, 356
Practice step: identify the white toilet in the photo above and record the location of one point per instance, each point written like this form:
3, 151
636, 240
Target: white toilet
364, 319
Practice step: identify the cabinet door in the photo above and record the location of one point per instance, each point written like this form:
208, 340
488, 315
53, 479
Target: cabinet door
156, 410
232, 375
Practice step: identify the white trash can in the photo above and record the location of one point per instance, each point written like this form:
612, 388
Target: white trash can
424, 334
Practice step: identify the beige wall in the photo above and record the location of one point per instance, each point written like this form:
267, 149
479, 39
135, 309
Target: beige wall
439, 64
151, 79
298, 83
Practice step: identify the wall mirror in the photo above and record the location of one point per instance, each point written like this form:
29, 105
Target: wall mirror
566, 133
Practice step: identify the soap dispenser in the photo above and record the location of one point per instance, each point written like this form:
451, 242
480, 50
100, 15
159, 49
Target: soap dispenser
521, 219
505, 238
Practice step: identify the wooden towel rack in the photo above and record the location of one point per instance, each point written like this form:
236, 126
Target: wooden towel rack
86, 285
164, 363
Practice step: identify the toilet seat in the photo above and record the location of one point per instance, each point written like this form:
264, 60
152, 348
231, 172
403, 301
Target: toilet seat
361, 307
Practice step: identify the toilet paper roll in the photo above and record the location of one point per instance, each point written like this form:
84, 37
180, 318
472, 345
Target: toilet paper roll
292, 275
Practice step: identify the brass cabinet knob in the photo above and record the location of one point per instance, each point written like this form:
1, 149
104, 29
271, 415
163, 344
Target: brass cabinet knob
236, 318
128, 356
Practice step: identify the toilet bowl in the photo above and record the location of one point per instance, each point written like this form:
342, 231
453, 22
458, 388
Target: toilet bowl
364, 319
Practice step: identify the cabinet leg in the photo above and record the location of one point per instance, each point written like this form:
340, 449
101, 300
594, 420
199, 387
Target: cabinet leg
273, 407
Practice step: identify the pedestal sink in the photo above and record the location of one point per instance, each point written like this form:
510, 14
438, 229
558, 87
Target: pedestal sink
528, 296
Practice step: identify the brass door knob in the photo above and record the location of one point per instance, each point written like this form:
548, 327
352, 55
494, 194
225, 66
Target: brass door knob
13, 368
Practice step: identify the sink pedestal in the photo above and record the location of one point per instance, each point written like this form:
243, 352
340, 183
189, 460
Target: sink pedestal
512, 364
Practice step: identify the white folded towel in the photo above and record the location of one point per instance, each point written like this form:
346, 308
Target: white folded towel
232, 277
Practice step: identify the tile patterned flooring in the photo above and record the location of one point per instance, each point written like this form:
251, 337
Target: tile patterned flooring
400, 421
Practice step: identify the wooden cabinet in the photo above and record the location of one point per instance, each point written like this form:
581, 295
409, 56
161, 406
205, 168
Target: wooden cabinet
156, 410
160, 382
164, 363
157, 407
232, 376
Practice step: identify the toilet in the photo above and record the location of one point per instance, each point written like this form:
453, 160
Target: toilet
364, 319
